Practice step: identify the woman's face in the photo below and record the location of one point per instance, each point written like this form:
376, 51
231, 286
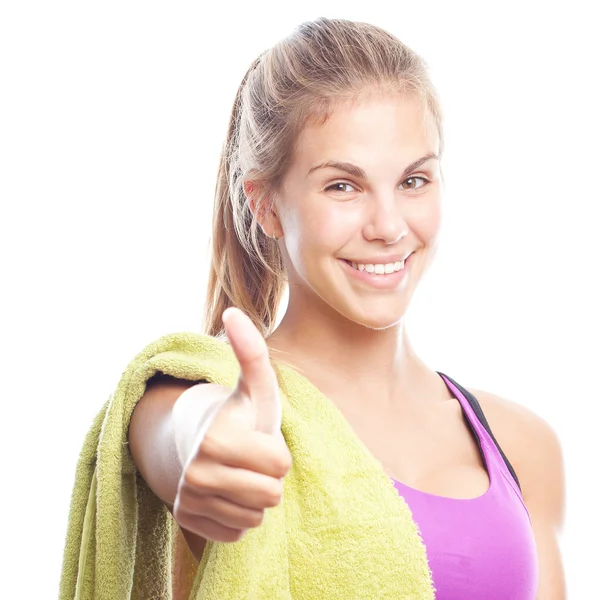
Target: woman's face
359, 208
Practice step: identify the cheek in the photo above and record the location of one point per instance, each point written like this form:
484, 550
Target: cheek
319, 230
425, 222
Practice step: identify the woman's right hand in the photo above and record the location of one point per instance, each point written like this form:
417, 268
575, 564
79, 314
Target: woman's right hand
235, 470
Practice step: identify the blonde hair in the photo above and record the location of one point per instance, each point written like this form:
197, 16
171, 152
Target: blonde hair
297, 81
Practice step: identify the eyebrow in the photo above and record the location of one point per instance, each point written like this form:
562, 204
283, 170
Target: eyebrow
361, 174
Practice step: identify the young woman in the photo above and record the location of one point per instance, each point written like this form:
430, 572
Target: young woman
330, 183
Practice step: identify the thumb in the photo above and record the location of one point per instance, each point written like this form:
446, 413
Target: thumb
257, 377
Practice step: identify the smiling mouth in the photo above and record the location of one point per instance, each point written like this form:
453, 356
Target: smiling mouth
380, 269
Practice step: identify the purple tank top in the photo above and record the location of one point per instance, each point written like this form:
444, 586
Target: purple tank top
481, 547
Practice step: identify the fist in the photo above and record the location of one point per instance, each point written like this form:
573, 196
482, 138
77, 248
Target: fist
236, 469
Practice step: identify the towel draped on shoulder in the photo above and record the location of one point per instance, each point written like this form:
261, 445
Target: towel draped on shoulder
340, 532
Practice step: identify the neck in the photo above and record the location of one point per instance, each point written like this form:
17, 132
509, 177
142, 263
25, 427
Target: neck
333, 352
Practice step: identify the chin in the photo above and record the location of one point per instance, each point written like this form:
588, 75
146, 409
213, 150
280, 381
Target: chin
378, 327
380, 324
376, 320
375, 312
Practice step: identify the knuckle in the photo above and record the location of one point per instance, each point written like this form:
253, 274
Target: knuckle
232, 535
256, 518
184, 507
190, 477
183, 518
212, 445
282, 463
196, 477
272, 495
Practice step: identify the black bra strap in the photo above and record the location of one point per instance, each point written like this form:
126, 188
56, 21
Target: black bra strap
479, 412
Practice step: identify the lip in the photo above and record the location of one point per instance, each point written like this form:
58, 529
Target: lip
380, 259
381, 282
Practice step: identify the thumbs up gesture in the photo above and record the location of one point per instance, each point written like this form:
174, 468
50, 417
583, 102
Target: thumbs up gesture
236, 470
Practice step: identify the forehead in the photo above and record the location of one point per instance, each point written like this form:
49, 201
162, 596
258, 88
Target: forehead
369, 128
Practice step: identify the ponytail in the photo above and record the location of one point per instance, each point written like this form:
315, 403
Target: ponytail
246, 267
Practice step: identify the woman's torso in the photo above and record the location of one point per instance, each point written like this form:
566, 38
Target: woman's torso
481, 546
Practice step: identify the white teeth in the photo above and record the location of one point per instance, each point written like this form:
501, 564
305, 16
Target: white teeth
380, 268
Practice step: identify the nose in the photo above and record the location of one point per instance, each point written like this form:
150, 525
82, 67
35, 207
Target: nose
385, 220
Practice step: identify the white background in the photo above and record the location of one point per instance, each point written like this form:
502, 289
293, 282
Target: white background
112, 117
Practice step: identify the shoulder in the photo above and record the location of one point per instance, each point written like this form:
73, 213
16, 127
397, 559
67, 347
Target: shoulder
519, 427
533, 448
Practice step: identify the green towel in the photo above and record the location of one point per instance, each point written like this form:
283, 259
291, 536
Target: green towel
341, 530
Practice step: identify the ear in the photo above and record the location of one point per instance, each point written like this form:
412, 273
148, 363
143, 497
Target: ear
263, 208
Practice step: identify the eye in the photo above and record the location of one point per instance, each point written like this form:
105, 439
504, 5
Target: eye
412, 183
339, 187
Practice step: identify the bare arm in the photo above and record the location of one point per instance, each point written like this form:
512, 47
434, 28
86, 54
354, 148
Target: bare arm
152, 438
534, 450
214, 455
541, 466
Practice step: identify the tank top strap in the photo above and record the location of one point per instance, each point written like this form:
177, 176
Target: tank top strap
481, 428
